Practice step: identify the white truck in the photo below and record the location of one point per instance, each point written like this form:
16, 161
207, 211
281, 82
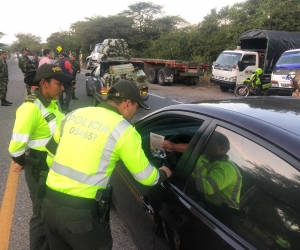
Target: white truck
256, 49
284, 70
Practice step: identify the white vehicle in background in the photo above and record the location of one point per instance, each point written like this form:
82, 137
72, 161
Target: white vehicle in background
93, 59
284, 71
256, 49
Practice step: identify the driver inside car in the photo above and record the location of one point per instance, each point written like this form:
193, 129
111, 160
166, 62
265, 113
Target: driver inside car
215, 176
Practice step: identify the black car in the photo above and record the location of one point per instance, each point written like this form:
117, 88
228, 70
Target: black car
96, 87
264, 138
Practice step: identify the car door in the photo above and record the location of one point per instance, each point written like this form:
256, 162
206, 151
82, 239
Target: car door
268, 215
128, 191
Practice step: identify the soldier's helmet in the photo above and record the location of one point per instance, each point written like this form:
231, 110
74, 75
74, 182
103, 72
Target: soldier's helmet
73, 54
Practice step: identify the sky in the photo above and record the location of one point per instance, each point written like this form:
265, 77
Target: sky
41, 18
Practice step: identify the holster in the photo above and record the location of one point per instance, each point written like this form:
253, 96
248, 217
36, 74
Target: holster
104, 199
40, 169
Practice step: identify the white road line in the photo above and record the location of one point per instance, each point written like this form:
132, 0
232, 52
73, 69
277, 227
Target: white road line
177, 101
157, 96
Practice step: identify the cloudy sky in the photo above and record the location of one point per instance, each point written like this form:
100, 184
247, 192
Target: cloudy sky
41, 17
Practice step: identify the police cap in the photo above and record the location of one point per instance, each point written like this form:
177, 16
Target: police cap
52, 71
127, 90
25, 49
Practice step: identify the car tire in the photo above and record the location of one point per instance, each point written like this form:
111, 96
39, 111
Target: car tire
224, 89
152, 75
88, 93
161, 75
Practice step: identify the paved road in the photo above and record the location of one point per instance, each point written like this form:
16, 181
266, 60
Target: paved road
20, 222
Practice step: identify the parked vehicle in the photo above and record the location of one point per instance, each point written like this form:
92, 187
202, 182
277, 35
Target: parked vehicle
92, 60
256, 49
252, 85
95, 83
285, 69
164, 72
264, 146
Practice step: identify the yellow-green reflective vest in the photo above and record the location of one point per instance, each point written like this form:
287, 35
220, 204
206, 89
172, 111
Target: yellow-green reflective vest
91, 141
220, 181
34, 125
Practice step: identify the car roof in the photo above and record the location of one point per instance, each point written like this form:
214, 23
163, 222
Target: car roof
276, 119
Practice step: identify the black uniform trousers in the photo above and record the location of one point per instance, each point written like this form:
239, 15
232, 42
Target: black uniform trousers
73, 223
37, 233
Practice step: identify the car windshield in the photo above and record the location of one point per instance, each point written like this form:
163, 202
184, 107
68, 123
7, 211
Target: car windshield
288, 62
227, 60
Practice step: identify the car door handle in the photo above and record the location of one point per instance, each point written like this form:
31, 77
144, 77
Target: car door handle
146, 202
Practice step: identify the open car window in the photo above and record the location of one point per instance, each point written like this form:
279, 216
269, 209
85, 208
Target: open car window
178, 129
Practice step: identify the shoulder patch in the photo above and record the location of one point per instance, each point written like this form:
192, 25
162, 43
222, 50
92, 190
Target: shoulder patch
30, 98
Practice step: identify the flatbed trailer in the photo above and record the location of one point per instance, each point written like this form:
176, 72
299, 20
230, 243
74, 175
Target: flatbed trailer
165, 72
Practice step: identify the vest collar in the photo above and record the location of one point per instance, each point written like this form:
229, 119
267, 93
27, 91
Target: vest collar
42, 98
109, 107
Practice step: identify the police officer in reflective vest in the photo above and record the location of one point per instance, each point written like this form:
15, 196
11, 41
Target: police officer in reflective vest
87, 144
35, 123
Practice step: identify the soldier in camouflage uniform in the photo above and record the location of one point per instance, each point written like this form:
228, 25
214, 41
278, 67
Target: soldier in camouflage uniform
76, 69
3, 78
25, 65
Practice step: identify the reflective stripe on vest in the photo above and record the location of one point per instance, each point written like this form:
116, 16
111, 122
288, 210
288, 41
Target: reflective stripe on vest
98, 179
17, 154
20, 137
51, 124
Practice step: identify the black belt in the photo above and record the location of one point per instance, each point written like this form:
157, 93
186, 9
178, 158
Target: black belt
69, 200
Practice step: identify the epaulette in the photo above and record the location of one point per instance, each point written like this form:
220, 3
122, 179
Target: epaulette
30, 98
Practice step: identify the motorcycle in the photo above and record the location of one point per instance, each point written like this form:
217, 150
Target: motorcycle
252, 85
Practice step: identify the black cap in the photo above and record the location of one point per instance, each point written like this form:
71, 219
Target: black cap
25, 49
128, 90
63, 54
52, 71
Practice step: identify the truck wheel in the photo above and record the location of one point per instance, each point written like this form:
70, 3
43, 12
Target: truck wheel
87, 90
161, 76
224, 89
189, 81
152, 74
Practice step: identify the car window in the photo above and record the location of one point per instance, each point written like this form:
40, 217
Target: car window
248, 60
178, 129
248, 188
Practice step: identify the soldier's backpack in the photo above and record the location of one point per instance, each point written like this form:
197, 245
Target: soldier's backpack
29, 78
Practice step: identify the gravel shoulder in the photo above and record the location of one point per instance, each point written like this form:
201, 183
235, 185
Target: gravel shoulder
186, 94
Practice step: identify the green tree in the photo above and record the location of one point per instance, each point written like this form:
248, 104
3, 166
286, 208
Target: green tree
29, 41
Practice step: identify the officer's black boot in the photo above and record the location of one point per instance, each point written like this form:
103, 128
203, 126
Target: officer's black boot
74, 97
4, 103
8, 101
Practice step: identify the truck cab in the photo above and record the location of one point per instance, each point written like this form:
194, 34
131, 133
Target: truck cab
93, 59
233, 66
284, 70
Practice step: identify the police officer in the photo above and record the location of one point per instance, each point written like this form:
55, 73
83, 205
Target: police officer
25, 65
36, 121
3, 78
67, 69
91, 141
76, 70
215, 175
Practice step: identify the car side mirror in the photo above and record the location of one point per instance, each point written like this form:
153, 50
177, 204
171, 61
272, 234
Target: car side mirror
240, 64
87, 74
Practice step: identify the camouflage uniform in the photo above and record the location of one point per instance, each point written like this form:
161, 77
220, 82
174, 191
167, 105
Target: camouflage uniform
3, 78
76, 69
25, 65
